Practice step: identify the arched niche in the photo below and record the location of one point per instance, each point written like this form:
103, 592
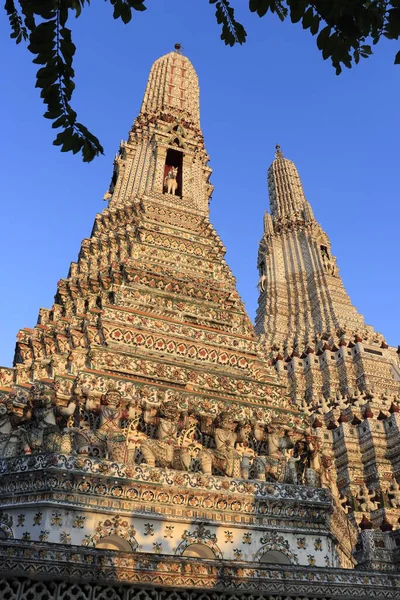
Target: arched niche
174, 158
199, 551
113, 534
275, 557
114, 542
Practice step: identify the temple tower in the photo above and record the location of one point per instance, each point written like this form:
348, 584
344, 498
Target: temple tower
141, 415
342, 371
148, 448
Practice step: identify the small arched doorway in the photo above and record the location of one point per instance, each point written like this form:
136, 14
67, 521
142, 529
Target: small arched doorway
199, 551
174, 158
275, 557
114, 542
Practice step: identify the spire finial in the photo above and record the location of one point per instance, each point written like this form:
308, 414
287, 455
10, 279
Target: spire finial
178, 48
278, 153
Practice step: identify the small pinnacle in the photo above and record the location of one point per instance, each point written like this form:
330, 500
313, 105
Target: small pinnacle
278, 153
178, 48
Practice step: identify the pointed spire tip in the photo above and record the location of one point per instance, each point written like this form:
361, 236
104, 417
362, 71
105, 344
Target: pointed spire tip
278, 153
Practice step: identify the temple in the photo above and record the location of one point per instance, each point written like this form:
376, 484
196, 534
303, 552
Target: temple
154, 444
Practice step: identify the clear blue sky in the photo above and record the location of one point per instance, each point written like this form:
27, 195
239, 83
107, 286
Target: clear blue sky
342, 133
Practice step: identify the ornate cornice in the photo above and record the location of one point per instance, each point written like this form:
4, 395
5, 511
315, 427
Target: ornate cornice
84, 565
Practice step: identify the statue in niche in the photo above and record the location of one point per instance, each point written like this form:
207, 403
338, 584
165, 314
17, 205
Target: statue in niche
300, 451
315, 469
328, 262
40, 431
170, 181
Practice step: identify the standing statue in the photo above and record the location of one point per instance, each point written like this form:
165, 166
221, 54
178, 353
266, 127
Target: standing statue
243, 448
291, 475
160, 452
170, 181
109, 439
187, 449
150, 405
328, 476
224, 457
261, 283
313, 464
274, 442
272, 466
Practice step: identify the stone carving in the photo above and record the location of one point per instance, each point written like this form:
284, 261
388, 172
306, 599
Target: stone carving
150, 405
274, 462
261, 282
41, 428
9, 438
328, 475
161, 451
200, 535
291, 475
225, 457
365, 499
187, 450
160, 433
110, 439
393, 493
170, 181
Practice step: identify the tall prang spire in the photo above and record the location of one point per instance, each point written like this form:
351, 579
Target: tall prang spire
154, 252
164, 155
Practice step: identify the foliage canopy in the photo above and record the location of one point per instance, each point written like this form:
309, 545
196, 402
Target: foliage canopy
344, 30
